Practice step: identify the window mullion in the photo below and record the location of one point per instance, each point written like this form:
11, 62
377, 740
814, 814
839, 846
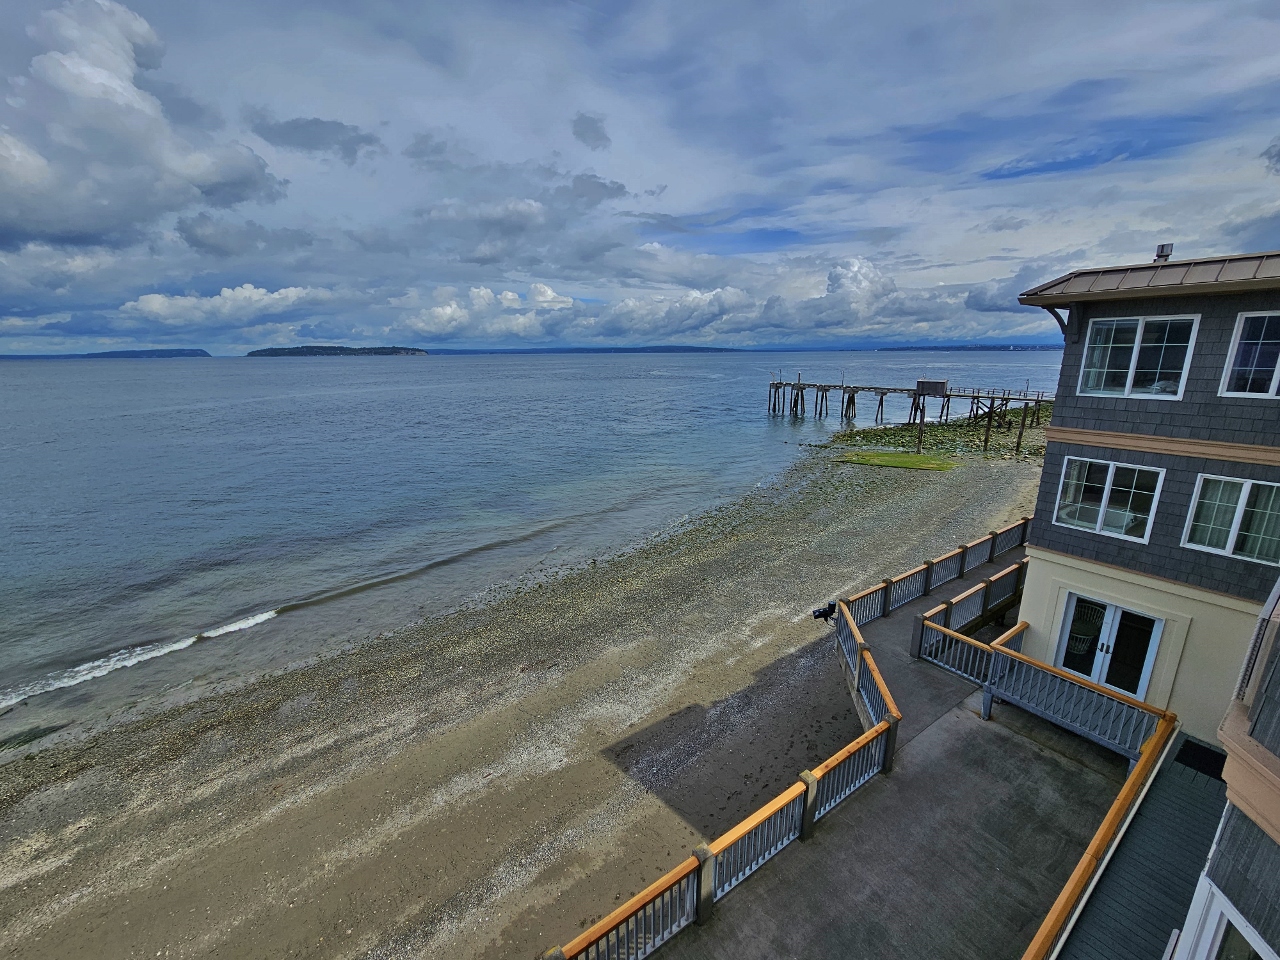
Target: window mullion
1133, 360
1106, 498
1239, 517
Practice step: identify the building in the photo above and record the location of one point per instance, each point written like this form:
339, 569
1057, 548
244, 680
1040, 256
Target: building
1236, 909
1156, 538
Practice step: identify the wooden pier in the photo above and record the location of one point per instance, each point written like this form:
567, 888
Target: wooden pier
793, 396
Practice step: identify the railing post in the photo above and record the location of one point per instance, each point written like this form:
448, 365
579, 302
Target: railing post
706, 882
1026, 530
928, 577
946, 616
890, 744
986, 596
888, 592
810, 815
1021, 576
917, 636
964, 555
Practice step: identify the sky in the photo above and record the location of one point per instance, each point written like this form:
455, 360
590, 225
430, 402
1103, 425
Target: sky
232, 175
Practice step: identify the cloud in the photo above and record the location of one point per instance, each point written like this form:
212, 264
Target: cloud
222, 239
88, 156
231, 306
588, 129
179, 106
1272, 156
313, 135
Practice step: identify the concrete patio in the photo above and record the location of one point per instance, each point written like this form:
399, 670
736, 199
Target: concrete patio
959, 852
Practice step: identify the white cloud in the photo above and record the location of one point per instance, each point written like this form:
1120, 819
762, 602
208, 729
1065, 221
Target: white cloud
88, 156
238, 305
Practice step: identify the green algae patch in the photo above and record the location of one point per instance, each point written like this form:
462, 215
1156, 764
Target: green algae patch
893, 458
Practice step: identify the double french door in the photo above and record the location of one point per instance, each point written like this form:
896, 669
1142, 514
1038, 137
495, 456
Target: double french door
1109, 644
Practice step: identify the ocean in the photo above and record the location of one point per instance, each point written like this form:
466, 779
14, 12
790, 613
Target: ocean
171, 524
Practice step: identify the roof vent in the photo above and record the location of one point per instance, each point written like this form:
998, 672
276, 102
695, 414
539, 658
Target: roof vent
1163, 252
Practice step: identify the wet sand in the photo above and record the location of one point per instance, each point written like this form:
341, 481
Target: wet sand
485, 784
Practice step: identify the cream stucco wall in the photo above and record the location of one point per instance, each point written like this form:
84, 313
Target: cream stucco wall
1201, 648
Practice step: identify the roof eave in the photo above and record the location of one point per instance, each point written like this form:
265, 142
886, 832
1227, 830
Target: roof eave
1033, 299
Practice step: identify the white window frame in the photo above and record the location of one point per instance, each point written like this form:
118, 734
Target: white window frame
1235, 522
1211, 910
1107, 637
1231, 359
1133, 361
1106, 498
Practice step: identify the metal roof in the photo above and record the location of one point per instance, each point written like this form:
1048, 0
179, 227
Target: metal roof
1246, 271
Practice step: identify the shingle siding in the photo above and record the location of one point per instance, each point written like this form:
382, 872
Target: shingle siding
1164, 555
1201, 414
1246, 867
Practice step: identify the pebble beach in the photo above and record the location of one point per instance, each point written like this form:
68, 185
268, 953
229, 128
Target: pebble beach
486, 783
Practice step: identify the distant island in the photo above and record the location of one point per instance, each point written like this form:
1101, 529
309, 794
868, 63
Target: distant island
166, 354
317, 350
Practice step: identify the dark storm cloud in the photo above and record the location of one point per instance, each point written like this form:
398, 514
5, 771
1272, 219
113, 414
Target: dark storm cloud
313, 135
1272, 156
223, 239
588, 129
181, 107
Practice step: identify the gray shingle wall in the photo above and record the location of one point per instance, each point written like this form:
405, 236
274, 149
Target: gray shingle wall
1201, 414
1163, 555
1246, 867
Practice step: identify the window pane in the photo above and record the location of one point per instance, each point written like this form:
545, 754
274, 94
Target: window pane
1235, 947
1084, 483
1107, 357
1256, 355
1259, 536
1161, 356
1214, 513
1128, 510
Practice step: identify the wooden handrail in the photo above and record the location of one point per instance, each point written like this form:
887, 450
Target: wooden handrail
947, 556
726, 840
938, 609
870, 662
1016, 523
645, 896
843, 607
1051, 928
867, 592
979, 586
910, 573
1009, 571
1089, 684
844, 753
999, 642
978, 542
959, 636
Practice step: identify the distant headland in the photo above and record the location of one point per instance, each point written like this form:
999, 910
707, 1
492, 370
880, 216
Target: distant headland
166, 354
317, 350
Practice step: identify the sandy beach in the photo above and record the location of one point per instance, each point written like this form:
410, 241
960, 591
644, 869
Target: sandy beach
485, 784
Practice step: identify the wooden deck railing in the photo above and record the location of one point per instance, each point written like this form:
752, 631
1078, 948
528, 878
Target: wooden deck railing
688, 893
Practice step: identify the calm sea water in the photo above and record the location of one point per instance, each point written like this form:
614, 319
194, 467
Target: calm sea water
274, 508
